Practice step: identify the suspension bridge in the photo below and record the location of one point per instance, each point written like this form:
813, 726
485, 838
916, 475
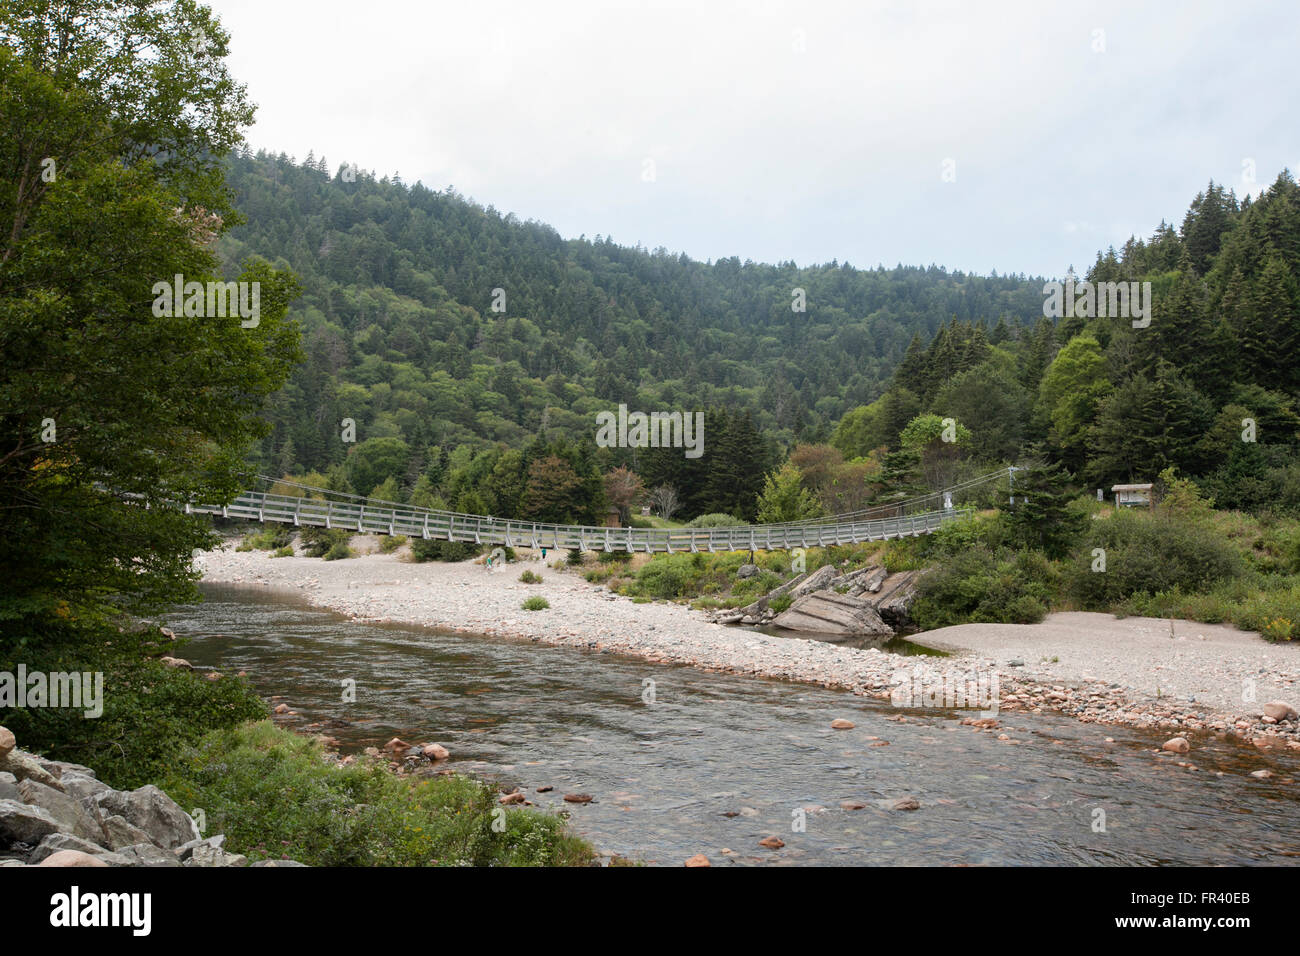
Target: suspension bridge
319, 507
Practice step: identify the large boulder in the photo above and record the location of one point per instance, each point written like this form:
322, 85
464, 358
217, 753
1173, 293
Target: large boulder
119, 832
827, 612
68, 810
152, 811
7, 742
893, 602
57, 842
146, 854
81, 786
71, 858
26, 767
24, 823
9, 787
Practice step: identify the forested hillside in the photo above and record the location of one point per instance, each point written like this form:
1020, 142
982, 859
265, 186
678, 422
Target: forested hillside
1208, 387
402, 337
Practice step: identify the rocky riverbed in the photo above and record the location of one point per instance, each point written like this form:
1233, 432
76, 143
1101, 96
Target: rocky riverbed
1089, 666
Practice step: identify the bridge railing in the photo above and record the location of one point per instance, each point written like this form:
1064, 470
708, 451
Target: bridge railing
369, 517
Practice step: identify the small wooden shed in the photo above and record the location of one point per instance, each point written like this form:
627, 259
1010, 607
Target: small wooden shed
1134, 496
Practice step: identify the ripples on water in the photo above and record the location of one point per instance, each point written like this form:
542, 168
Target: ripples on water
664, 775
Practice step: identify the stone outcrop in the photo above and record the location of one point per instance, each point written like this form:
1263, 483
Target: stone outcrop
829, 612
60, 814
869, 602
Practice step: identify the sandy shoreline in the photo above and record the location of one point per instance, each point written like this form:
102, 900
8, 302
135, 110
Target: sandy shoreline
1091, 666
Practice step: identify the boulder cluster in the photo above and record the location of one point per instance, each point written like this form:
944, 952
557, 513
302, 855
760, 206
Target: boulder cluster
54, 813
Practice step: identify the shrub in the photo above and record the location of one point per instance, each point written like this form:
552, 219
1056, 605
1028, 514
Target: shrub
274, 795
536, 603
317, 542
150, 712
780, 603
670, 575
715, 521
529, 578
270, 538
285, 552
429, 549
1145, 553
575, 557
337, 551
977, 586
388, 543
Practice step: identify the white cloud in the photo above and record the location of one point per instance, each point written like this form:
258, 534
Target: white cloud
762, 151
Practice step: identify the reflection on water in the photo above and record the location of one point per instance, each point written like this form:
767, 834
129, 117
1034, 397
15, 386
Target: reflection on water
724, 761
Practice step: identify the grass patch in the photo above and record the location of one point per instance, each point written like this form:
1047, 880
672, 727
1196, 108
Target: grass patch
529, 578
275, 795
536, 603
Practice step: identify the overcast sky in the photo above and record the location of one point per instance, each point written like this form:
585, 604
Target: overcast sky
809, 131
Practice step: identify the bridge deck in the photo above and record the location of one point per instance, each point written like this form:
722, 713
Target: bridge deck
370, 517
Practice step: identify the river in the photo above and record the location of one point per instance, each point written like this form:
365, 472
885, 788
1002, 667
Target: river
719, 761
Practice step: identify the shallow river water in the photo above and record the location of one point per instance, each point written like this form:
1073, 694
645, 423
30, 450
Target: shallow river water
665, 775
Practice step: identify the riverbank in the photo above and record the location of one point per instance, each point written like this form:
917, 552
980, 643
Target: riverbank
1090, 666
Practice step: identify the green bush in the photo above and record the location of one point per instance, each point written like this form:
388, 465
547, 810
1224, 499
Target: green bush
536, 603
388, 543
1148, 553
670, 575
978, 586
150, 712
575, 557
317, 542
285, 552
715, 521
274, 795
780, 603
337, 552
529, 578
429, 549
271, 538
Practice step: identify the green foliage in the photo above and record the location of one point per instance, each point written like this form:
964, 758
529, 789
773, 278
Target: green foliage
275, 796
337, 551
670, 575
318, 542
271, 538
406, 345
536, 603
978, 586
146, 409
715, 521
1042, 517
285, 552
429, 549
784, 497
1072, 388
780, 603
528, 577
150, 711
1148, 553
388, 543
